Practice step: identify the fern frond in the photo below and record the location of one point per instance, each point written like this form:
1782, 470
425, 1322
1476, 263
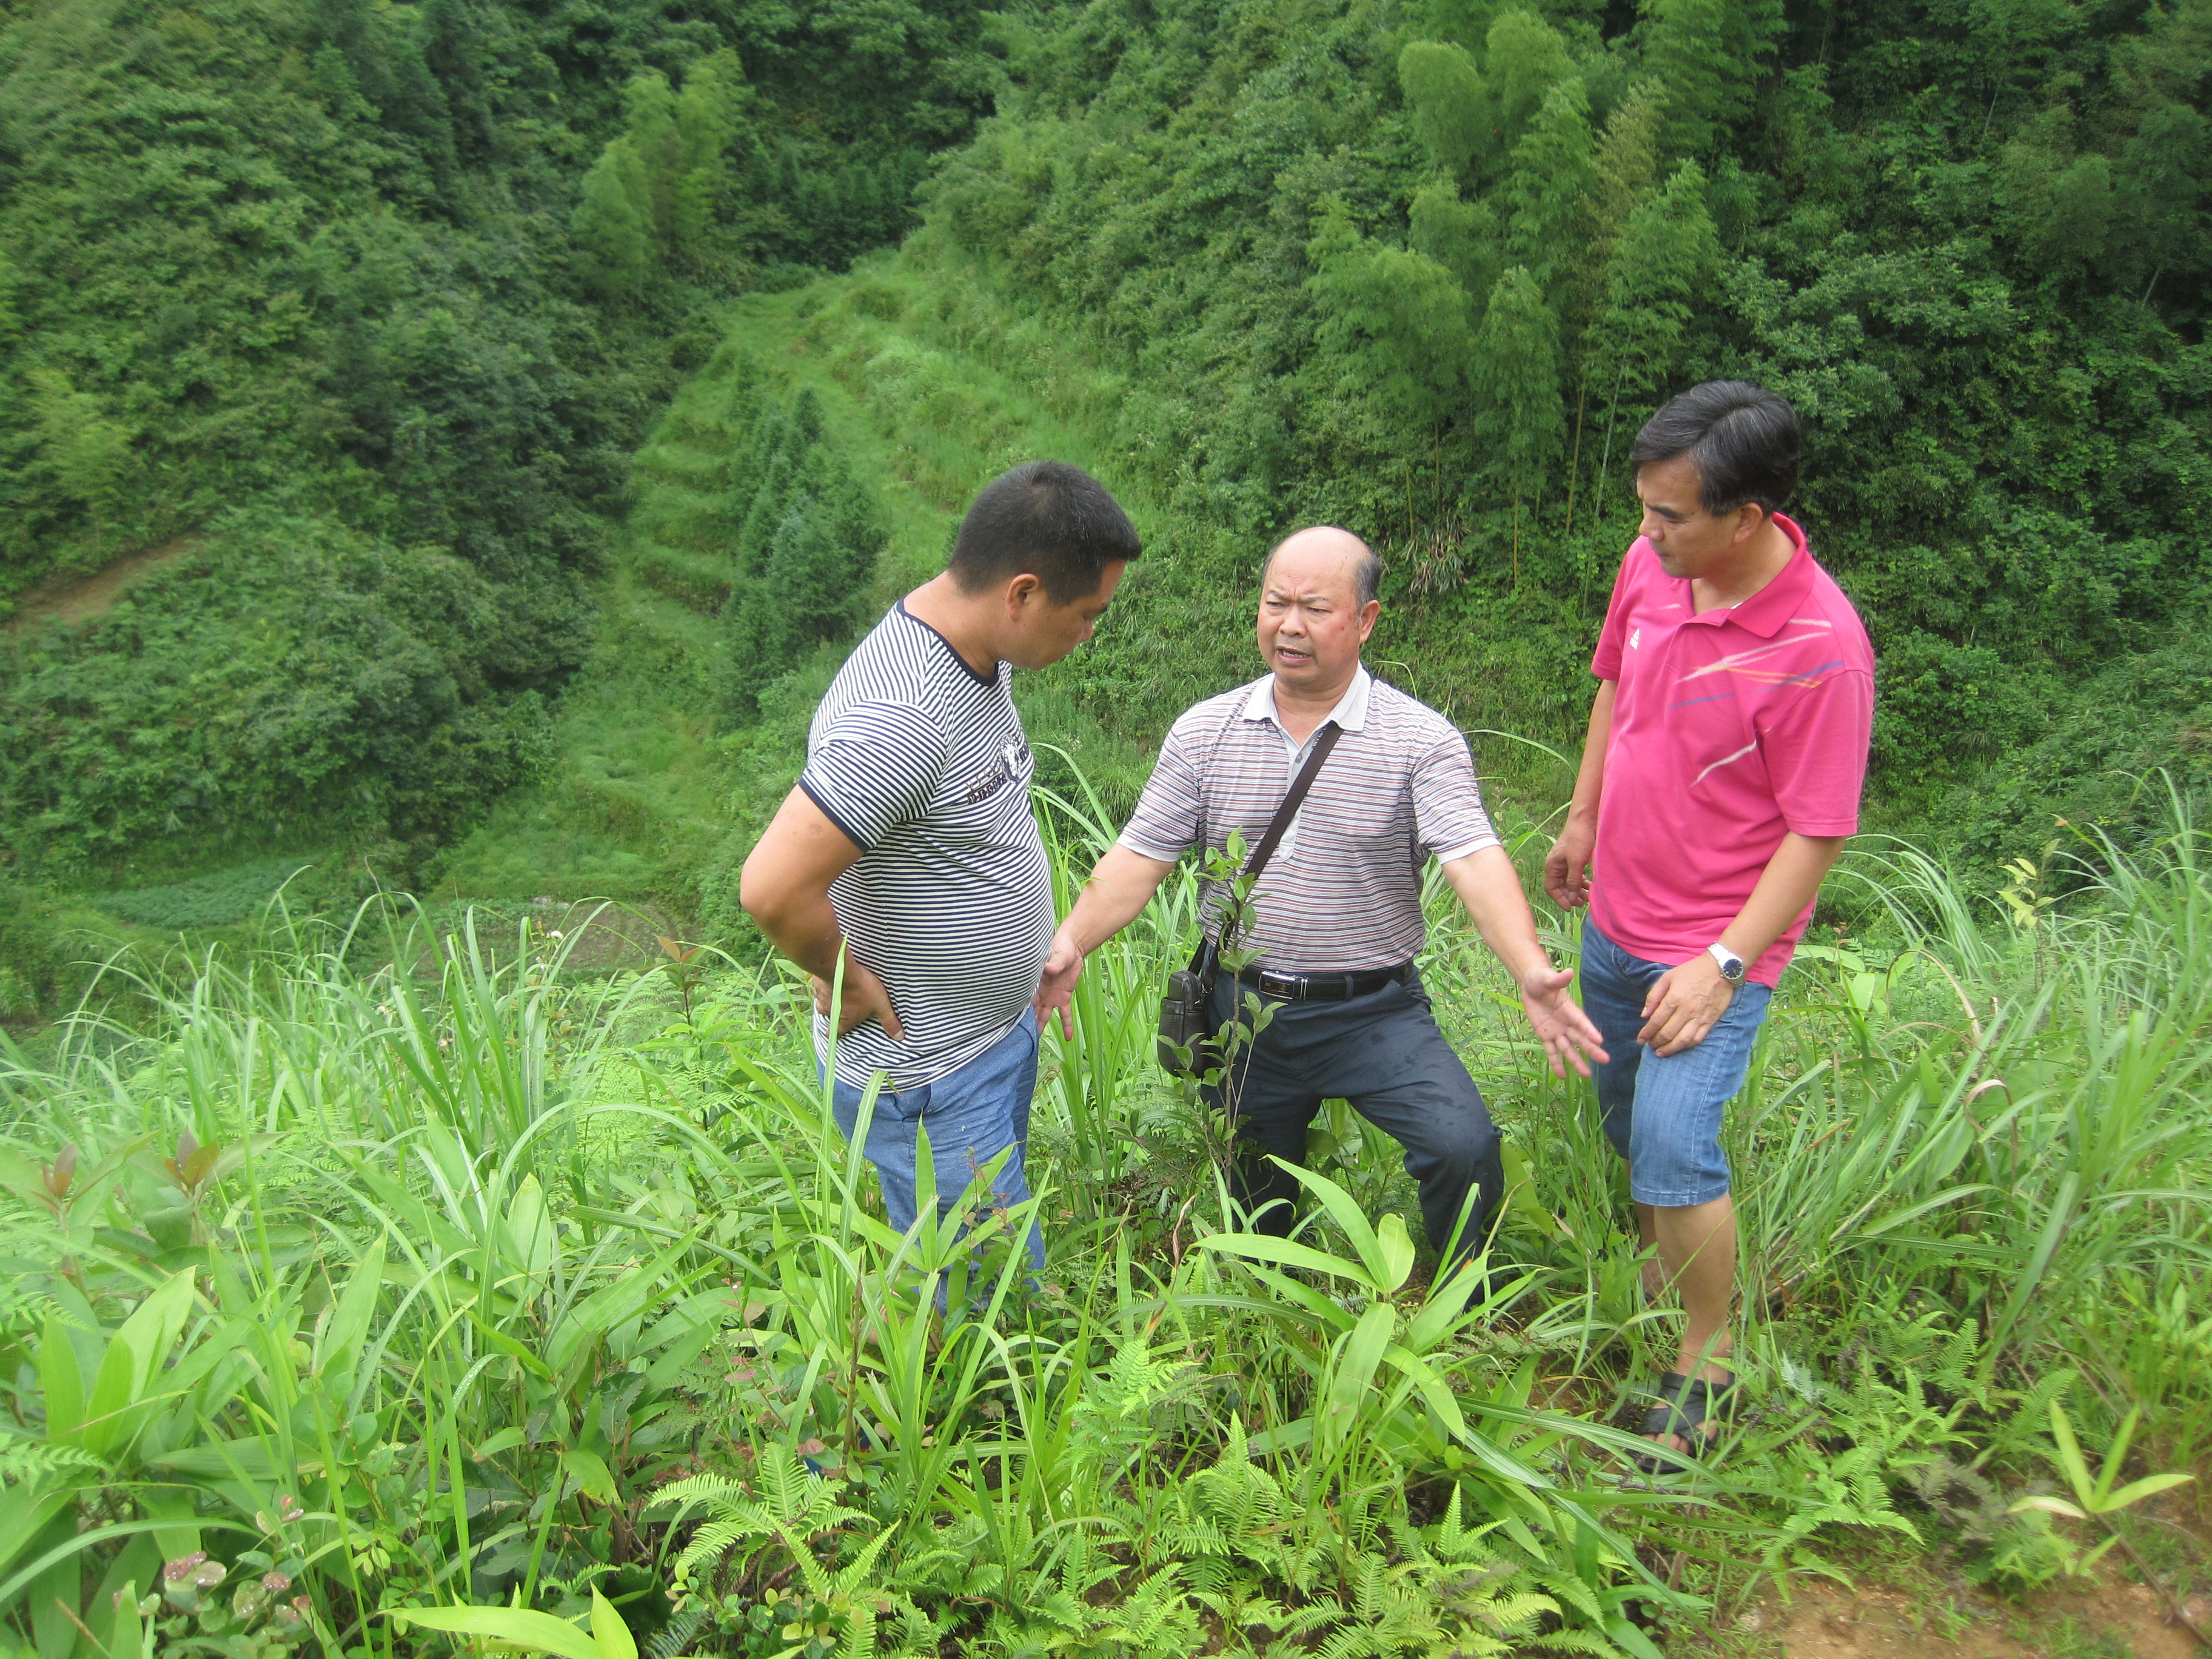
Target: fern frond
24, 1461
675, 1635
714, 1490
1508, 1615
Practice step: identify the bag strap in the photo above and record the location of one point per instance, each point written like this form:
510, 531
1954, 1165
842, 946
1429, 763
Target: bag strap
1278, 827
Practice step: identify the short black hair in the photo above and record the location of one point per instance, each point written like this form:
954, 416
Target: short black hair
1044, 518
1366, 570
1741, 438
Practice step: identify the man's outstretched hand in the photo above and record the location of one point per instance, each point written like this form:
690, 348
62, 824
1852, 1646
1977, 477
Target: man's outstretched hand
1566, 1032
1056, 985
865, 998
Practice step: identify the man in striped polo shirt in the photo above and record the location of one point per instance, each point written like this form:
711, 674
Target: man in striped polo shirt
1335, 919
910, 849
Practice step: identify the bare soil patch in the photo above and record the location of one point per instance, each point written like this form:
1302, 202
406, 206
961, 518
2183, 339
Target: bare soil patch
79, 599
596, 934
607, 935
2103, 1619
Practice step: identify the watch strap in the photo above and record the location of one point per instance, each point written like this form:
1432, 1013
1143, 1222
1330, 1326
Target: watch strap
1723, 957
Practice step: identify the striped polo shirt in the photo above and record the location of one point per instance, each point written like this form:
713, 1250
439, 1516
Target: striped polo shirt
922, 762
1343, 892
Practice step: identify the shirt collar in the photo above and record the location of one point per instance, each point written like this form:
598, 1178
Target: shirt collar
1765, 612
1350, 713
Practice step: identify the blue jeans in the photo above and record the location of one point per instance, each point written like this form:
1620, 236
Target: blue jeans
1662, 1112
972, 1115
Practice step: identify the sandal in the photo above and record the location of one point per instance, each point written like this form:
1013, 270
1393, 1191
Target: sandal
1686, 1405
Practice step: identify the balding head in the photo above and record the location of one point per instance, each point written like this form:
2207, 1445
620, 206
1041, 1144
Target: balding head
1323, 554
1317, 607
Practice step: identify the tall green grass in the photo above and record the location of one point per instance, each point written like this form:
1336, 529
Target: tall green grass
462, 1279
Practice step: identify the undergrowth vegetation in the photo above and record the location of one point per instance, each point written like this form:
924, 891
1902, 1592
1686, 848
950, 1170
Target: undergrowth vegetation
397, 1270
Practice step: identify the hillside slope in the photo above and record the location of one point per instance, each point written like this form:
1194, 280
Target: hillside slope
373, 302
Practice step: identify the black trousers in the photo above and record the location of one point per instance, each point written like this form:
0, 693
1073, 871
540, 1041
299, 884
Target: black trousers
1385, 1054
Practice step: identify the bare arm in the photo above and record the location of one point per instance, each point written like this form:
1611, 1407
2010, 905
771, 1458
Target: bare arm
1566, 867
1122, 885
1490, 887
785, 887
1686, 1001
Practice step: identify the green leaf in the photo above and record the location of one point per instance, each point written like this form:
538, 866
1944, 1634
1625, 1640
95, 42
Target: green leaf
1422, 1376
2070, 1459
153, 1327
541, 1633
251, 1458
507, 1345
505, 1440
347, 1329
608, 1307
114, 1391
1440, 1315
1632, 1640
1345, 1210
1363, 1352
527, 1235
2116, 1457
133, 1358
615, 1640
63, 1384
592, 1477
2136, 1491
124, 1636
1259, 1247
1327, 1312
1397, 1252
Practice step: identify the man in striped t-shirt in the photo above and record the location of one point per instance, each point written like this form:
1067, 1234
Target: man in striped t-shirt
908, 845
1335, 919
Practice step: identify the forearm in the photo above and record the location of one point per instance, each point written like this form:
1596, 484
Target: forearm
804, 926
1122, 885
1786, 886
1589, 776
1490, 887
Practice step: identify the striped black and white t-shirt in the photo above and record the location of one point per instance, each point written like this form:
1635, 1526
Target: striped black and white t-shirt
1343, 892
922, 763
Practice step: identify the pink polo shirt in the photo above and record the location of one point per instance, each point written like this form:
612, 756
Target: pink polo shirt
1731, 728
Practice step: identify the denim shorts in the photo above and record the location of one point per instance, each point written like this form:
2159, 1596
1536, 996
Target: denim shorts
1664, 1113
972, 1117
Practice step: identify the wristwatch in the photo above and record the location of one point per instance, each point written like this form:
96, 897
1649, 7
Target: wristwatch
1731, 965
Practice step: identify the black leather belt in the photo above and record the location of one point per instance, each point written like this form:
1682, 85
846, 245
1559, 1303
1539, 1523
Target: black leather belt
1322, 987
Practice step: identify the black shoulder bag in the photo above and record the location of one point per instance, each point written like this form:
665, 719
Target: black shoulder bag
1183, 1028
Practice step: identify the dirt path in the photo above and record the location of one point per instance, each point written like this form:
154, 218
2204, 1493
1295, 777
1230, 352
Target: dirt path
77, 599
2105, 1620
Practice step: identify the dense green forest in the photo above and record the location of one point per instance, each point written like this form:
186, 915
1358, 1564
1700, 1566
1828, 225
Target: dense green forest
1424, 271
352, 315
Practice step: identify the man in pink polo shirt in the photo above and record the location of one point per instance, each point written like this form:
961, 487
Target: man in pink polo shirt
1719, 781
